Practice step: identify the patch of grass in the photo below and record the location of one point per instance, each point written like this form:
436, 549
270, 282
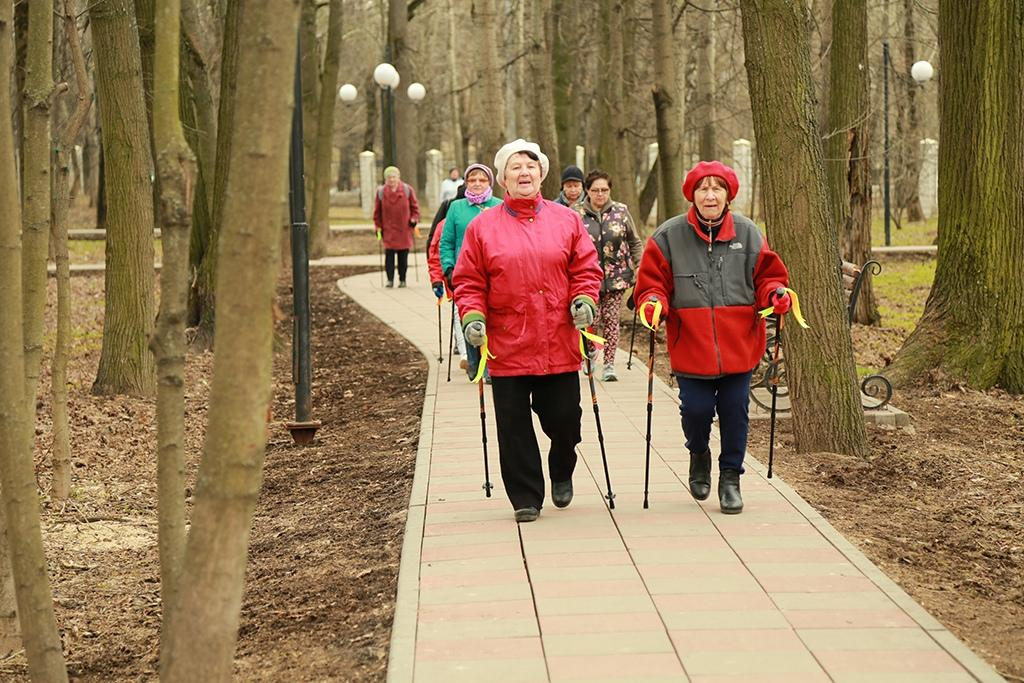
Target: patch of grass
910, 234
81, 252
902, 289
348, 215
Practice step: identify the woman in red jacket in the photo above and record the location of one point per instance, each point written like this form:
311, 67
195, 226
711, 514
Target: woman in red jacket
712, 271
395, 215
526, 282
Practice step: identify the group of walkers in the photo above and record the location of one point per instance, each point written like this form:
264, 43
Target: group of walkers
528, 276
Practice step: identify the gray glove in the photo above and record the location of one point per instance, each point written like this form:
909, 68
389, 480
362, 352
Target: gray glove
475, 332
582, 313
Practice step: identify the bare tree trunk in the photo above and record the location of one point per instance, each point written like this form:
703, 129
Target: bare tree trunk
908, 158
17, 477
320, 226
542, 86
453, 80
827, 415
490, 108
10, 633
36, 187
309, 48
175, 166
406, 131
201, 641
847, 144
972, 328
60, 487
666, 110
126, 366
701, 115
206, 273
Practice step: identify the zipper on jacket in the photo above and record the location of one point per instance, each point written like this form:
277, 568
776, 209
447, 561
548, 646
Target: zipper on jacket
714, 327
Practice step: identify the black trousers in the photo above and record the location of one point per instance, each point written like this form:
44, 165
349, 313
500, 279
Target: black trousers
389, 263
556, 400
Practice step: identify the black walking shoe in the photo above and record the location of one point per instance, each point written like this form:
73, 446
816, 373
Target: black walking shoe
700, 475
729, 492
561, 493
527, 514
401, 284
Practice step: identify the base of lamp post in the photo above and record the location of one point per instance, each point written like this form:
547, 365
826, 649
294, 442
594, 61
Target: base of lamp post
304, 432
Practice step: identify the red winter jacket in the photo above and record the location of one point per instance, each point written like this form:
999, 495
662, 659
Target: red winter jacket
395, 212
711, 292
434, 258
522, 263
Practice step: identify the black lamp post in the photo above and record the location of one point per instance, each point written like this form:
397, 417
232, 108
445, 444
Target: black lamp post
303, 429
885, 138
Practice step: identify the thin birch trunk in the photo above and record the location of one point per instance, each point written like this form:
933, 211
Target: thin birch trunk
320, 225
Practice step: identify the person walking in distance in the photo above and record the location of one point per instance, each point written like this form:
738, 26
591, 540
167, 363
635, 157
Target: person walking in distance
450, 185
479, 197
712, 271
527, 281
395, 215
572, 186
618, 253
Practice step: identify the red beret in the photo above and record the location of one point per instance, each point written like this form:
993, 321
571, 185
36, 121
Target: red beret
716, 168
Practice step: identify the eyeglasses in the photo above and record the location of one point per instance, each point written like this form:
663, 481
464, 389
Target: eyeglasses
599, 190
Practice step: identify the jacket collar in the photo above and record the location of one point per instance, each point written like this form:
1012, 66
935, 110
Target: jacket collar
524, 208
725, 232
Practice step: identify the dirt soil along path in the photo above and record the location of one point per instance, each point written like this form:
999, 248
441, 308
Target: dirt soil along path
478, 593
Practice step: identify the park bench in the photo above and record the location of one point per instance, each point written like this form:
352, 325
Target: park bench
876, 390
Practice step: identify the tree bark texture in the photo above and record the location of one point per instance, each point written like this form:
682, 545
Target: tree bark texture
666, 111
489, 109
908, 126
17, 476
320, 225
541, 86
206, 272
201, 641
36, 187
309, 48
60, 487
972, 328
126, 365
827, 415
609, 155
847, 144
175, 166
453, 82
406, 131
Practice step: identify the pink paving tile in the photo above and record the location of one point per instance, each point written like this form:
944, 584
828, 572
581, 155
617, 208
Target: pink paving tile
458, 528
694, 602
729, 530
563, 624
703, 542
505, 609
823, 554
693, 570
594, 559
817, 584
466, 505
863, 618
462, 552
568, 589
636, 667
888, 662
473, 579
497, 648
753, 640
808, 677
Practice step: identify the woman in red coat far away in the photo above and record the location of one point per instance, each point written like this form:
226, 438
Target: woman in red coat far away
526, 282
712, 271
395, 215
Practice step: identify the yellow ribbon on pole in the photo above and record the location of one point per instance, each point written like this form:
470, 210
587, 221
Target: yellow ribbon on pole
484, 355
796, 308
655, 318
600, 341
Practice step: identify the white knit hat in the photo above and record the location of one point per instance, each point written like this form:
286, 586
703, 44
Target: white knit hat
520, 145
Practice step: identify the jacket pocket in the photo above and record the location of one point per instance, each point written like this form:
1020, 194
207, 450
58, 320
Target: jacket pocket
690, 290
737, 280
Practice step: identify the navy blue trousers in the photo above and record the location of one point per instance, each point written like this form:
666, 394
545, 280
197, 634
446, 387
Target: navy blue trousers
700, 399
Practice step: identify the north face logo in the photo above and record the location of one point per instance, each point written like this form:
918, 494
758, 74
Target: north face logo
736, 245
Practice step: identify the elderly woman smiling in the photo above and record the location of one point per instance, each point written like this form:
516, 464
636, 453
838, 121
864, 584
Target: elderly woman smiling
526, 279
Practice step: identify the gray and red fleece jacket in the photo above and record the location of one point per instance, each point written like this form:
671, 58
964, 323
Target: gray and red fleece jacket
710, 292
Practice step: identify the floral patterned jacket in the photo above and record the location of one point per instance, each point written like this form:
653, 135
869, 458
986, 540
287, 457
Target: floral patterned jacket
614, 236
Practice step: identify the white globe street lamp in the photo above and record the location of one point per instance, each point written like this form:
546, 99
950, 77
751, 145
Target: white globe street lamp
347, 92
386, 76
922, 72
416, 92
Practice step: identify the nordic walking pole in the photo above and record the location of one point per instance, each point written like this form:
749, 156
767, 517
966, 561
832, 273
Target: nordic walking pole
775, 387
650, 411
632, 336
440, 352
483, 431
380, 252
597, 417
451, 340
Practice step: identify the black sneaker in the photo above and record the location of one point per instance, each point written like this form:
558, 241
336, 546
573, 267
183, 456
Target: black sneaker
729, 497
401, 284
561, 493
527, 514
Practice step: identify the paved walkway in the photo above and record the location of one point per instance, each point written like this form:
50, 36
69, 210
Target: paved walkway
674, 593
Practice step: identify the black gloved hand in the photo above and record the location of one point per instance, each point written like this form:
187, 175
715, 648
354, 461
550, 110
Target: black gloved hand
448, 278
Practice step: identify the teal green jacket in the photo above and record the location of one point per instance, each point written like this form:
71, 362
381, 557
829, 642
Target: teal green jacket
460, 213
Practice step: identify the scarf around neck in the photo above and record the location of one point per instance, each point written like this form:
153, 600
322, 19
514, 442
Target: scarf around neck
478, 199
